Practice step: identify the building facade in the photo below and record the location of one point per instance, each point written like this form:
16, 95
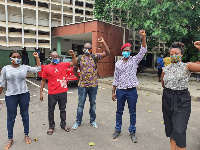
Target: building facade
29, 23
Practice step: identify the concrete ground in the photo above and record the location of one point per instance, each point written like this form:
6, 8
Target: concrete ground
149, 82
150, 130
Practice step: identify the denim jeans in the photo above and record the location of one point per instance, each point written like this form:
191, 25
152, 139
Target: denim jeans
82, 93
131, 96
12, 103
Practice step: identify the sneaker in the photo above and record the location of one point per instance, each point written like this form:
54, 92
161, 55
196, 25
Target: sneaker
75, 126
133, 138
95, 125
116, 134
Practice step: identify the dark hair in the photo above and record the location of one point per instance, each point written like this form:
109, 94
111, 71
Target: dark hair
179, 45
14, 51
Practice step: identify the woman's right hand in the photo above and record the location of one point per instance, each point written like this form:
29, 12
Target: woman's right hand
41, 97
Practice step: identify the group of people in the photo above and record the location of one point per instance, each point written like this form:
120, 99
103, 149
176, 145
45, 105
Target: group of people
176, 100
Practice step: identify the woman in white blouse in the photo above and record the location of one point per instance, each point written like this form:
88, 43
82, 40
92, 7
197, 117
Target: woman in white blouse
17, 93
176, 100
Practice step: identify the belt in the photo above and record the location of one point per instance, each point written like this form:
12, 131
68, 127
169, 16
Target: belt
174, 96
128, 89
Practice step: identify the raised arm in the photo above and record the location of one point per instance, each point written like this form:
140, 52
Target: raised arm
35, 54
143, 49
107, 51
74, 60
38, 65
194, 67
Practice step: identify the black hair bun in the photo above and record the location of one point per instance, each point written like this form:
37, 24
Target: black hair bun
178, 45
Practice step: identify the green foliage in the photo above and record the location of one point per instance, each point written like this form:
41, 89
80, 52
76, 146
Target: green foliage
169, 20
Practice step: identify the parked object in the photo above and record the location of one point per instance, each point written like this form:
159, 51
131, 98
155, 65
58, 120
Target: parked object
71, 78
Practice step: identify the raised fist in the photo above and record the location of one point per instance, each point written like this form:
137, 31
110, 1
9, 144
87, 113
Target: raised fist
101, 40
71, 52
35, 54
142, 32
197, 44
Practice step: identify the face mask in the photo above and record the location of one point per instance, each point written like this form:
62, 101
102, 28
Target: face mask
126, 54
16, 60
86, 51
175, 58
56, 61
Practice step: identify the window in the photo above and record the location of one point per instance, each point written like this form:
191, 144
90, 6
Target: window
43, 33
87, 12
19, 1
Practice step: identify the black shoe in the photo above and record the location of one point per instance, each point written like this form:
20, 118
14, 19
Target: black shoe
116, 134
133, 138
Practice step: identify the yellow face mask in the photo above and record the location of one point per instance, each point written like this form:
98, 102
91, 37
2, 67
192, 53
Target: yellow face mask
175, 58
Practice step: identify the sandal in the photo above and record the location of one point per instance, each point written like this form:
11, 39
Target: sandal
67, 129
27, 139
50, 131
8, 144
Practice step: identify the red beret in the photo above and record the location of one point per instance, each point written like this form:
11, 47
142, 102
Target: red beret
126, 45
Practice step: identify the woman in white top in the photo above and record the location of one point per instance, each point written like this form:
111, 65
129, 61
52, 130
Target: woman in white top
17, 93
176, 100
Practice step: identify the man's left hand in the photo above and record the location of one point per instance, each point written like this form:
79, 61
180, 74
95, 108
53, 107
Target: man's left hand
35, 54
142, 32
101, 40
71, 52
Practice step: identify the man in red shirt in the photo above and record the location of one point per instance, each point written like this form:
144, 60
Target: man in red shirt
55, 72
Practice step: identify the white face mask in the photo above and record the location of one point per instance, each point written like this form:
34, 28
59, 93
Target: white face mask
16, 60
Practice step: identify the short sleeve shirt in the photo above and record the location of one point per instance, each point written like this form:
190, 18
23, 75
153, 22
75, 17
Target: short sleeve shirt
160, 61
88, 71
176, 76
56, 76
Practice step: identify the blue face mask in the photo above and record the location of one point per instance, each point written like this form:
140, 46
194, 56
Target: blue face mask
16, 60
126, 54
56, 61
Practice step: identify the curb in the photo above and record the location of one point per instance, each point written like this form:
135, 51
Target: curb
159, 92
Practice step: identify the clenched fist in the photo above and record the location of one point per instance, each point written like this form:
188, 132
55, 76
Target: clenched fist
35, 54
71, 52
142, 32
197, 44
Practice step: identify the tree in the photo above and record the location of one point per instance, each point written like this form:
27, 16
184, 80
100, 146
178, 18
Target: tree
169, 20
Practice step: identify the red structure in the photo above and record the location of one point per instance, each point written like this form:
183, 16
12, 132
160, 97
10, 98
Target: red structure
113, 35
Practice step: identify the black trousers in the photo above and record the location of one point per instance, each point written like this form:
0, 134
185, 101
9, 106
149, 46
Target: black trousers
61, 98
176, 107
159, 72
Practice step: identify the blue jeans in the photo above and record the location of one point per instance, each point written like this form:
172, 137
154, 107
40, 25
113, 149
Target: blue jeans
82, 93
131, 96
12, 103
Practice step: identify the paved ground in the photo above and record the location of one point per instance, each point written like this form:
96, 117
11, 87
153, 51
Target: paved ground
150, 130
149, 82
